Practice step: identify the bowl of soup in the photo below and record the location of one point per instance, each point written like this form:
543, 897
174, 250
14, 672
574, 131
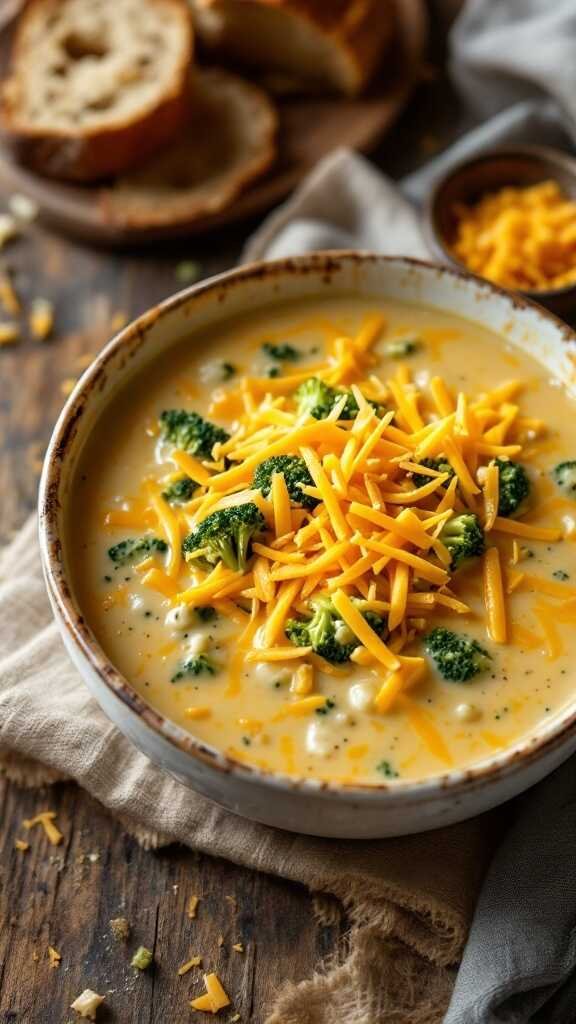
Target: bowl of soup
308, 529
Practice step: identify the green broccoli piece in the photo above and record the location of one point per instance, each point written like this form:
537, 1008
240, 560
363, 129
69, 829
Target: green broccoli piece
457, 657
281, 352
441, 465
206, 613
180, 491
387, 770
272, 371
399, 348
142, 958
198, 665
327, 633
295, 473
464, 538
191, 433
514, 486
228, 371
136, 549
225, 536
317, 399
564, 476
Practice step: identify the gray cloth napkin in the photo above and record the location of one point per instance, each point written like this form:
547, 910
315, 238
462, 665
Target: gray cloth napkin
514, 60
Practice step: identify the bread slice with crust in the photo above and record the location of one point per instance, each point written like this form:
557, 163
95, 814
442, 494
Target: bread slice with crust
95, 86
230, 140
320, 45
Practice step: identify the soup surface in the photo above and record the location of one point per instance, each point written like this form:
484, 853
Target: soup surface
301, 633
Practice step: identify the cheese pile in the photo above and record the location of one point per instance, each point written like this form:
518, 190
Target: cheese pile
521, 238
374, 533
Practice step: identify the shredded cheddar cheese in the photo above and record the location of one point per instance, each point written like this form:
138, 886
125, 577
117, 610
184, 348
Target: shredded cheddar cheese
215, 998
522, 238
46, 819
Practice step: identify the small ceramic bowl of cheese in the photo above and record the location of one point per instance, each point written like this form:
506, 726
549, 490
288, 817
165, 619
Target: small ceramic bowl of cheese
509, 215
308, 533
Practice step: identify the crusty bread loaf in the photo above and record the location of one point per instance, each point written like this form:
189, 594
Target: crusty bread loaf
322, 45
229, 141
96, 85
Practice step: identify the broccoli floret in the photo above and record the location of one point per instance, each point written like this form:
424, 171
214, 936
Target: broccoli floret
281, 352
317, 398
399, 348
191, 433
295, 473
197, 665
457, 657
514, 486
440, 465
463, 537
272, 371
327, 633
564, 476
225, 536
206, 613
136, 549
180, 491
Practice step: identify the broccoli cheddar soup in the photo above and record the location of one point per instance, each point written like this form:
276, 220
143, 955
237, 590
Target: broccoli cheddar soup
335, 540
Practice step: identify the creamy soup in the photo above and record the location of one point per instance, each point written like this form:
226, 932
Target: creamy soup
395, 598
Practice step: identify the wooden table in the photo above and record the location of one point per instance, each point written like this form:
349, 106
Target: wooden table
65, 896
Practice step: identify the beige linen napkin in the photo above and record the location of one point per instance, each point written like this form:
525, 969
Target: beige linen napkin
409, 900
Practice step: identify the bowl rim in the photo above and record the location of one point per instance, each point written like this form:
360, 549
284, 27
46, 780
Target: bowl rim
77, 631
533, 151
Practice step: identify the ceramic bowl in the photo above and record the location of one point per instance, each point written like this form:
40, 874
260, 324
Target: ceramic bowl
488, 172
306, 806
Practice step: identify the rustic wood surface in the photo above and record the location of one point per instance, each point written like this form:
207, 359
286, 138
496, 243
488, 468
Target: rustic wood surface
65, 896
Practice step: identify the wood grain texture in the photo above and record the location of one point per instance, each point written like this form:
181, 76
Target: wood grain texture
50, 895
65, 896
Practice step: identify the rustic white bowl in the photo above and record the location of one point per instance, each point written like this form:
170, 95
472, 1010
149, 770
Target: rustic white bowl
317, 808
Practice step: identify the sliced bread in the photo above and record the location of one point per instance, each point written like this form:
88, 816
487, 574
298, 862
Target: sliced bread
320, 45
229, 142
96, 85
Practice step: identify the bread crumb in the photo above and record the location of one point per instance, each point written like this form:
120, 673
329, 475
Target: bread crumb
9, 334
21, 844
195, 961
192, 906
87, 1003
220, 940
120, 928
54, 956
8, 296
67, 386
22, 207
118, 321
238, 947
46, 819
93, 857
234, 1019
231, 900
41, 319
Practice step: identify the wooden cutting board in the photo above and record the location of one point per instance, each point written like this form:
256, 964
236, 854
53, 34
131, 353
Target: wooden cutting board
309, 130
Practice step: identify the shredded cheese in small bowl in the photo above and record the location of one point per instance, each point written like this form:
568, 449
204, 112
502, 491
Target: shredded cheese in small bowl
510, 216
